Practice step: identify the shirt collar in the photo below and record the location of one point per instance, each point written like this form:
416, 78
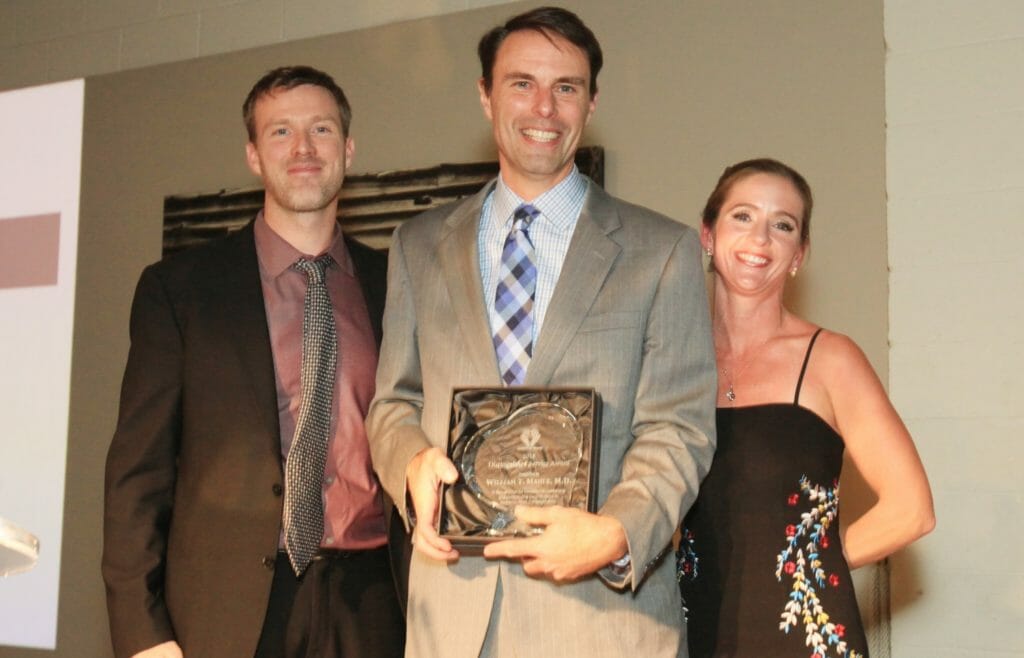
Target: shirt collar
552, 204
276, 255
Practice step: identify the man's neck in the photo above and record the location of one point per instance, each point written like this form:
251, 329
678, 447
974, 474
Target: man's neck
529, 188
309, 232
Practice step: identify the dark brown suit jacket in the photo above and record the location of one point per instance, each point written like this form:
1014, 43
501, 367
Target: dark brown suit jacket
194, 477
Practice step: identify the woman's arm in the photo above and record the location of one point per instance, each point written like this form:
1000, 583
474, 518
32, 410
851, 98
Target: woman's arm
881, 448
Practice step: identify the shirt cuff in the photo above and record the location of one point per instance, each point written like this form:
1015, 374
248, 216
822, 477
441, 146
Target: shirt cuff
621, 566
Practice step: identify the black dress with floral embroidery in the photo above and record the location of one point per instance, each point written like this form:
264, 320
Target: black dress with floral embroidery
760, 564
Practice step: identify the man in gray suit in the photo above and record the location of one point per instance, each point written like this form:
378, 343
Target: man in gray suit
611, 297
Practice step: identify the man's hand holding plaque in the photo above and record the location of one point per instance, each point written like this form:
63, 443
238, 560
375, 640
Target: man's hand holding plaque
574, 543
424, 477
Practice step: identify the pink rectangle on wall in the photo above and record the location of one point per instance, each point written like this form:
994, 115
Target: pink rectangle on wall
29, 247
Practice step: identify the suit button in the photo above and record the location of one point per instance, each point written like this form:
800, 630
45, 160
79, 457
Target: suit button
268, 562
277, 489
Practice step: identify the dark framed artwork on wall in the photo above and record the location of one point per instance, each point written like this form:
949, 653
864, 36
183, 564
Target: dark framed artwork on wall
372, 205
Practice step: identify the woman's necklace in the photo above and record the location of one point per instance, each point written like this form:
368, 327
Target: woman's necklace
730, 392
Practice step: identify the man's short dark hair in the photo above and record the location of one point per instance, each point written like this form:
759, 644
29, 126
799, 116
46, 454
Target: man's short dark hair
549, 21
289, 77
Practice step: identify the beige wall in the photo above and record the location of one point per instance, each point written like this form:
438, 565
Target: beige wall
51, 40
688, 88
955, 115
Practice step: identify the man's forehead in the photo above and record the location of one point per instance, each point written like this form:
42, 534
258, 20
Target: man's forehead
282, 101
280, 91
532, 53
557, 41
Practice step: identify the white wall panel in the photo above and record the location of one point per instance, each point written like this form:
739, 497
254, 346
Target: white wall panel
35, 344
955, 181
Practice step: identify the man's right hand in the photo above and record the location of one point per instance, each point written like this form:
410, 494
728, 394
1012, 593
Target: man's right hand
165, 650
424, 475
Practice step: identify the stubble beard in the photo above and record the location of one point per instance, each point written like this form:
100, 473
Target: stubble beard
306, 198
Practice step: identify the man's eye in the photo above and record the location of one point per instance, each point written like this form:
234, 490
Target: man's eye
785, 226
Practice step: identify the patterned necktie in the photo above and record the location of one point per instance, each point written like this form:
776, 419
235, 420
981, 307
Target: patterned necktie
304, 466
513, 301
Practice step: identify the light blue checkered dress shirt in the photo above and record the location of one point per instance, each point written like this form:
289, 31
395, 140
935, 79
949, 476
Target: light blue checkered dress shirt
550, 233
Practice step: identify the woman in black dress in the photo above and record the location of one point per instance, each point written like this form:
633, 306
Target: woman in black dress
763, 569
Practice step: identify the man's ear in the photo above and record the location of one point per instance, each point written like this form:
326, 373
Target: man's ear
590, 110
350, 152
485, 98
252, 158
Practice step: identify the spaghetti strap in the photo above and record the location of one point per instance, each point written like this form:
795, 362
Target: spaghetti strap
803, 369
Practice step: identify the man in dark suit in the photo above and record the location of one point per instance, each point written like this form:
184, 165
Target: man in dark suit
199, 557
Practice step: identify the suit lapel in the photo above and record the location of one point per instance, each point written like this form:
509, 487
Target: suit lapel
245, 319
460, 265
587, 263
371, 270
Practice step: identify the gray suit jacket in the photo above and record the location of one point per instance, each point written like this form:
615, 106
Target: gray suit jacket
629, 317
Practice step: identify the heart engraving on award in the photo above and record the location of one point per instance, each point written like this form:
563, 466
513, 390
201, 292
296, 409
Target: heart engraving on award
531, 457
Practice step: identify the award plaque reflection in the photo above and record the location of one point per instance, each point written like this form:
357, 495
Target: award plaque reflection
517, 447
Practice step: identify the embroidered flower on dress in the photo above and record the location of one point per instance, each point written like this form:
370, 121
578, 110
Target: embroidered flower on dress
687, 561
803, 564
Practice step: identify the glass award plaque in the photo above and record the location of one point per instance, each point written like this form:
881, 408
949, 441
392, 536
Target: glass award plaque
517, 447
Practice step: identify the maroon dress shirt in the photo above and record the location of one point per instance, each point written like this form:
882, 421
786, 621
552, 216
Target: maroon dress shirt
353, 509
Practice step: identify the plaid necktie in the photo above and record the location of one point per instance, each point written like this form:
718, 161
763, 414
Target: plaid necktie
513, 301
304, 467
